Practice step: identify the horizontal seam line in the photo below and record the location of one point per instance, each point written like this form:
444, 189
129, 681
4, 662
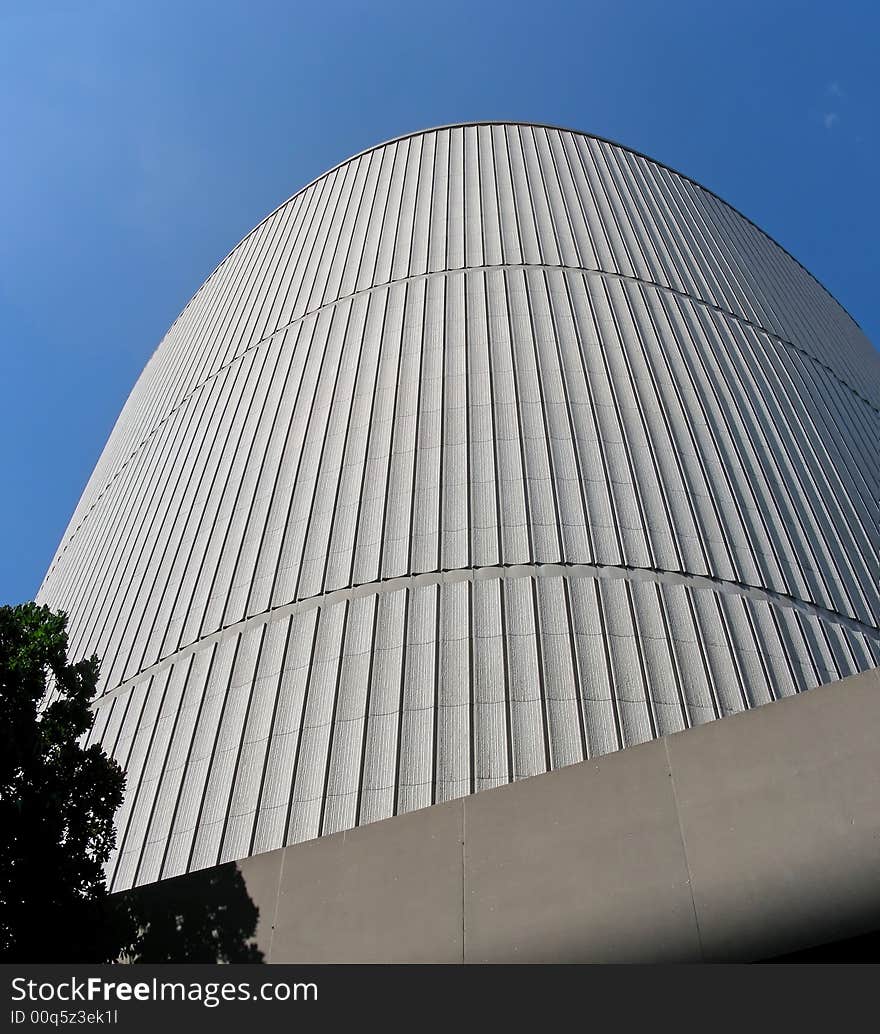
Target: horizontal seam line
489, 573
532, 125
415, 277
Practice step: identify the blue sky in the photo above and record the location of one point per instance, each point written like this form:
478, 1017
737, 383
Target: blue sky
142, 140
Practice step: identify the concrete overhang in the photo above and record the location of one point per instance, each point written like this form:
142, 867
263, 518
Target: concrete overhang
738, 840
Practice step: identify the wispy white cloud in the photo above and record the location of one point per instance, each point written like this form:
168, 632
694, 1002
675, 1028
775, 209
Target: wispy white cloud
829, 118
834, 89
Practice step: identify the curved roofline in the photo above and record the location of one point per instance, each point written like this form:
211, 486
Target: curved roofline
507, 122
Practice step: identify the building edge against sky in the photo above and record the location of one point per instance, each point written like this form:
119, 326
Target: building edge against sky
496, 448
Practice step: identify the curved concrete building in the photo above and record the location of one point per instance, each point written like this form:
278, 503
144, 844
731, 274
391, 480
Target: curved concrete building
497, 448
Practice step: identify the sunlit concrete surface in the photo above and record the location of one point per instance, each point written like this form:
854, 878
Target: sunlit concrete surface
497, 449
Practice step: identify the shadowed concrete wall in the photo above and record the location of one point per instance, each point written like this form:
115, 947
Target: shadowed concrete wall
740, 839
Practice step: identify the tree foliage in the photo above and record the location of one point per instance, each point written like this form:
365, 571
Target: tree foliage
57, 799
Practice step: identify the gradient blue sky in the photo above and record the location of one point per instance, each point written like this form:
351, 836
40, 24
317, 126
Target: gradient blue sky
142, 140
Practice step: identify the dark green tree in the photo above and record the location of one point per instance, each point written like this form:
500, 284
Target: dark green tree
57, 800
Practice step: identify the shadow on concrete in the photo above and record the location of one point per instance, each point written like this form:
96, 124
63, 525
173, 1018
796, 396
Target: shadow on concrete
863, 949
205, 916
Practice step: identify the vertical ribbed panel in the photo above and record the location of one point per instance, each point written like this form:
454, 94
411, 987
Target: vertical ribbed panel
496, 448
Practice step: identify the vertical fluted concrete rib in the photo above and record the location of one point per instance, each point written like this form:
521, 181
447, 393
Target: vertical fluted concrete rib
495, 448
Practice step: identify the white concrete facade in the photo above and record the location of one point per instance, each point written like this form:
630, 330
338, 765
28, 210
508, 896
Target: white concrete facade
497, 448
